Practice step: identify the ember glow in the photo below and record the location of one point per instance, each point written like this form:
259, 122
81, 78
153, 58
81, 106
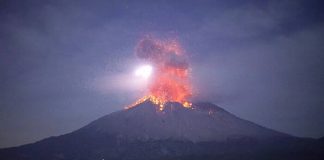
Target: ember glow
170, 81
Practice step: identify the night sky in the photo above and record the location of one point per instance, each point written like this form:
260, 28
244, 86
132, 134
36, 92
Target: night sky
65, 63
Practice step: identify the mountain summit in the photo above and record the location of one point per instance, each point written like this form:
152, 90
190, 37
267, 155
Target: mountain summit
201, 122
203, 131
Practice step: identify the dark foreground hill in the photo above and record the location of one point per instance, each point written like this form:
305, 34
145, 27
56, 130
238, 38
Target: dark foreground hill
202, 132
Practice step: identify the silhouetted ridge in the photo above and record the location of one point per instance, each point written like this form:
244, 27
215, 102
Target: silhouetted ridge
204, 131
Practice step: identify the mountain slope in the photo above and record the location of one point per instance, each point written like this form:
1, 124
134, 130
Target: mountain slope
203, 132
205, 122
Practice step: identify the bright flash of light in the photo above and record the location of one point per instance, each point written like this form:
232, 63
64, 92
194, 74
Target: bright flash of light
144, 71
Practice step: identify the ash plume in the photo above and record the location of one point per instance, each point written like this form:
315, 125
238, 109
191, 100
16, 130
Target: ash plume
170, 81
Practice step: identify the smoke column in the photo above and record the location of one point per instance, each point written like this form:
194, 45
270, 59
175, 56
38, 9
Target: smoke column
170, 81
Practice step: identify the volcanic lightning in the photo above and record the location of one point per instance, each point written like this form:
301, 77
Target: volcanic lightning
144, 71
170, 81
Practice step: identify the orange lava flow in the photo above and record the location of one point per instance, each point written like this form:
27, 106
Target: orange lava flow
170, 80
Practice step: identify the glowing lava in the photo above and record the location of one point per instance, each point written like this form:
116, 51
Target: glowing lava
170, 82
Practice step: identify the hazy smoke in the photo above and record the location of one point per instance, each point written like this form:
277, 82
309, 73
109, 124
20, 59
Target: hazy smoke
165, 53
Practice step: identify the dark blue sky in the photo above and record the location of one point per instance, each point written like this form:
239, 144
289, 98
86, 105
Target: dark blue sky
261, 60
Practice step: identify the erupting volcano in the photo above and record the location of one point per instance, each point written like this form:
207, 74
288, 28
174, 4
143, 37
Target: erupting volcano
170, 81
165, 125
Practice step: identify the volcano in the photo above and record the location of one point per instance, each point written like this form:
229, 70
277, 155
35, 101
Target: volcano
202, 122
203, 131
